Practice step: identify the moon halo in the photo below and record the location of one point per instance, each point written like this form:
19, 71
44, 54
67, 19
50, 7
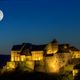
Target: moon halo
1, 15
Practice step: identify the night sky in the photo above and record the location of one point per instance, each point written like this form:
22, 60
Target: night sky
38, 22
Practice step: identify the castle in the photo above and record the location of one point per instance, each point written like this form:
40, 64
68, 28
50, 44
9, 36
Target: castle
50, 57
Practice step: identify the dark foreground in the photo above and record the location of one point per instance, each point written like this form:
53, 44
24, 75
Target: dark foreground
28, 76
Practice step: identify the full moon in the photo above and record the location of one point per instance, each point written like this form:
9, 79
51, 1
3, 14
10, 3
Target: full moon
1, 15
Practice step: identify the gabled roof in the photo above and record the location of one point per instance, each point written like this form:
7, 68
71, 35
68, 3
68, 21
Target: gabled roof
38, 47
64, 45
63, 51
26, 49
33, 47
74, 48
27, 45
63, 48
16, 47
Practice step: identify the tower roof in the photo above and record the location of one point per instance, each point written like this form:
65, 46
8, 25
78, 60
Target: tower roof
54, 41
16, 47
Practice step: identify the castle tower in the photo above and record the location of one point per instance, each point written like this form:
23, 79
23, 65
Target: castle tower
52, 47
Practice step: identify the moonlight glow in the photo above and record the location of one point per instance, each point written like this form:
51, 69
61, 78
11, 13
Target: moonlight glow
1, 15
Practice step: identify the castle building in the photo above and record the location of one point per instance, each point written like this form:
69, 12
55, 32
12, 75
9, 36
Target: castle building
44, 58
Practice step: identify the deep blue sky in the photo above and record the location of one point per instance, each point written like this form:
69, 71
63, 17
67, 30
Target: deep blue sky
39, 21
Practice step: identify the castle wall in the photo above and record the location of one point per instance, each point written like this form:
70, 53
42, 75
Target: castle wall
15, 56
30, 65
39, 66
76, 54
51, 48
37, 55
54, 63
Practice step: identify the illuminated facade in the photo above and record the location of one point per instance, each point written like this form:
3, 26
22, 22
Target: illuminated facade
45, 58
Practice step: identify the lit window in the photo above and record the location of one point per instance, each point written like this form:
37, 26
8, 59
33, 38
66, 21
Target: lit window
23, 57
